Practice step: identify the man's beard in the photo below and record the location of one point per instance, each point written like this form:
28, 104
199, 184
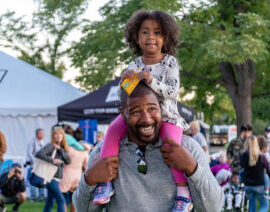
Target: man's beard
137, 134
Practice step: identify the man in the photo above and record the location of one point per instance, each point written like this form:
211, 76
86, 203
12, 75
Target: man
153, 188
100, 137
34, 146
235, 148
197, 135
249, 131
12, 187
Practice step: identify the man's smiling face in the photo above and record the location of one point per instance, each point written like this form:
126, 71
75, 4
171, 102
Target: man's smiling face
143, 118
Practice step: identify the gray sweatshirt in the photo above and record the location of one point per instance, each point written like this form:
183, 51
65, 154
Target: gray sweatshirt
155, 191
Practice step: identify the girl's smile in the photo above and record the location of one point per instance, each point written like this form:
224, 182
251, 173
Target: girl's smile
151, 39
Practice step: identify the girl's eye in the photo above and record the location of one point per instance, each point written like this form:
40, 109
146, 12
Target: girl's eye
157, 32
152, 109
144, 32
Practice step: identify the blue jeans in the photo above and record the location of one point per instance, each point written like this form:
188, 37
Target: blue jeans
54, 193
254, 193
266, 181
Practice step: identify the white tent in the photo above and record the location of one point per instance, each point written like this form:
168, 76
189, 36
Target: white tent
28, 100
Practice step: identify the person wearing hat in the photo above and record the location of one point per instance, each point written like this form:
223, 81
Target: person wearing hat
13, 188
197, 135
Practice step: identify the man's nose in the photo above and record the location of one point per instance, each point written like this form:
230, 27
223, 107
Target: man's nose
145, 117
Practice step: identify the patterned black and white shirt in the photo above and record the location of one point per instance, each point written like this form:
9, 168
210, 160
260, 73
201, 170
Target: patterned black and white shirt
166, 83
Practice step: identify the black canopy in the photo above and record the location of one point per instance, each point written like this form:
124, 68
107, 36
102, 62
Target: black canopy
103, 104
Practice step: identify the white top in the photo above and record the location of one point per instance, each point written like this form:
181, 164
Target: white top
166, 83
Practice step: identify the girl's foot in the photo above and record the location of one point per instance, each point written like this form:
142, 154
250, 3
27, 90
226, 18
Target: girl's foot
102, 193
182, 204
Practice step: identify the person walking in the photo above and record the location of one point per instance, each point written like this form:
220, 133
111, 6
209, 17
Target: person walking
58, 144
33, 147
254, 165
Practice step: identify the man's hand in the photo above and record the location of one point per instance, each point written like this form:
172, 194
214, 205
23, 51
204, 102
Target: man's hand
102, 170
11, 173
178, 157
145, 76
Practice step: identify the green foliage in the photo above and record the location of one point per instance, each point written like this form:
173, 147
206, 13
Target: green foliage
43, 42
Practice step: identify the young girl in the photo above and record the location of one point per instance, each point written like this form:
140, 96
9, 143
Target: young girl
153, 36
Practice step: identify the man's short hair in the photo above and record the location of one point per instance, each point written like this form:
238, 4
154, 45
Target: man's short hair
249, 127
38, 130
195, 124
243, 128
140, 90
14, 165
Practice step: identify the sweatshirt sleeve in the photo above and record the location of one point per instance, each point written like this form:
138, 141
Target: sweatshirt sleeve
45, 153
168, 86
84, 194
206, 193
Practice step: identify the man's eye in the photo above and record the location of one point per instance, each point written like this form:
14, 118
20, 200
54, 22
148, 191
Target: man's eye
135, 112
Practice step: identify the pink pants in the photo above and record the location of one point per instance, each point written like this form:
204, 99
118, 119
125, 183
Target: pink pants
118, 130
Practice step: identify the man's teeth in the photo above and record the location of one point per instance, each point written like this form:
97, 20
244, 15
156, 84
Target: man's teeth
146, 129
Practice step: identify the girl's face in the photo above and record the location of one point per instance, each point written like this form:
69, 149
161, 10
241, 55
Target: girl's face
58, 137
150, 37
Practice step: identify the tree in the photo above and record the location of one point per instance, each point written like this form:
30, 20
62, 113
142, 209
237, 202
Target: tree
44, 41
225, 44
224, 51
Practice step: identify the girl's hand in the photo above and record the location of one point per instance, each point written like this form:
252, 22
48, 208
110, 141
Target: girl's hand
145, 76
127, 74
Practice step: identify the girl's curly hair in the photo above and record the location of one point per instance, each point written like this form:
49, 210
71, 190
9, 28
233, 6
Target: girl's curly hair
170, 30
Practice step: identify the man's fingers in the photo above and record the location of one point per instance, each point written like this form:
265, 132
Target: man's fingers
166, 148
169, 141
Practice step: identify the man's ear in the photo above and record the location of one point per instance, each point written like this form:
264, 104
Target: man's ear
121, 110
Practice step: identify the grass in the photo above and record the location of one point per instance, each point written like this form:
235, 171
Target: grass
31, 207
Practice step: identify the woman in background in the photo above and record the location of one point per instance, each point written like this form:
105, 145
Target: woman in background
254, 165
60, 148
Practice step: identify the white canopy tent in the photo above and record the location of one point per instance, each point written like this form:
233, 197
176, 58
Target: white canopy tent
28, 100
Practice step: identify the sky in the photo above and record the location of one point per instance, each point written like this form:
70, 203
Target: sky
27, 7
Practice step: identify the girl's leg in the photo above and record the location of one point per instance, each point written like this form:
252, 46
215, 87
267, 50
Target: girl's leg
115, 133
183, 199
111, 144
175, 133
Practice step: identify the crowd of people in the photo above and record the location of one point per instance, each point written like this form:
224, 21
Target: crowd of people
67, 151
244, 169
145, 160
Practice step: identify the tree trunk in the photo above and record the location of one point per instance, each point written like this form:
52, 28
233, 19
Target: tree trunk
239, 81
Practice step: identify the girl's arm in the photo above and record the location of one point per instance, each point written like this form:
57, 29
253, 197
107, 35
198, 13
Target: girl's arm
65, 156
167, 87
72, 142
45, 153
